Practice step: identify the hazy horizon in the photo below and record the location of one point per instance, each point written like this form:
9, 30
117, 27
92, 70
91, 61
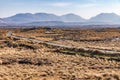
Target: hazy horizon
83, 8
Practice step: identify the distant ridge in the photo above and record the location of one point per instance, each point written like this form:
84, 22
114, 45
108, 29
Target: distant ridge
72, 18
67, 19
106, 18
28, 17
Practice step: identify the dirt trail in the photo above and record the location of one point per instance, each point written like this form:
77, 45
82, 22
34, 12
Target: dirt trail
9, 34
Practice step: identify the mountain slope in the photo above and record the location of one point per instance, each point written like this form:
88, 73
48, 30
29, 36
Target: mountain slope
106, 18
28, 17
20, 18
72, 18
68, 19
46, 17
2, 21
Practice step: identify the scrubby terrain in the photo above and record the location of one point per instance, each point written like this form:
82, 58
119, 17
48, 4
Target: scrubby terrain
26, 60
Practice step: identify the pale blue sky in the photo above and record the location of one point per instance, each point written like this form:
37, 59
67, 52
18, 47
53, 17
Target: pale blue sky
84, 8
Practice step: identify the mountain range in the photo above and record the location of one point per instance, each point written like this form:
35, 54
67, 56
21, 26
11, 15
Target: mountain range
52, 19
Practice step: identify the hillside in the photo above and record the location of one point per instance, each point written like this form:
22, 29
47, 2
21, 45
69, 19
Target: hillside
106, 18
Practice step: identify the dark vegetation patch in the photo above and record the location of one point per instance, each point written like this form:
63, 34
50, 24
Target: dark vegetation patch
23, 44
103, 77
26, 60
35, 61
90, 53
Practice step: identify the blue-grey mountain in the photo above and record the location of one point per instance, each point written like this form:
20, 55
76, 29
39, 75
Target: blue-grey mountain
72, 18
111, 18
38, 17
55, 20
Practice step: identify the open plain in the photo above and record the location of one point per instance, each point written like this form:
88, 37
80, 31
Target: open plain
24, 59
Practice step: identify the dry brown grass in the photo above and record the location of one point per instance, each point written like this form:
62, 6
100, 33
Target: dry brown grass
24, 60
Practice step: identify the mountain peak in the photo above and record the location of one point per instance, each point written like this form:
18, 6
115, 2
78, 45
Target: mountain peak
44, 14
40, 13
105, 17
70, 14
72, 18
23, 14
103, 14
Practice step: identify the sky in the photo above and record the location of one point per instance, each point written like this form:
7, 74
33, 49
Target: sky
83, 8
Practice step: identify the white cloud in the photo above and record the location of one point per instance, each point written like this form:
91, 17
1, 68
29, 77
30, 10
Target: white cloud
61, 4
88, 5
